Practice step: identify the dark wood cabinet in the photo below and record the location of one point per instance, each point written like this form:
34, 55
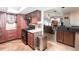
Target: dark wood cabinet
24, 36
11, 34
6, 35
2, 27
66, 37
48, 29
60, 36
2, 38
35, 16
18, 26
69, 38
21, 24
31, 40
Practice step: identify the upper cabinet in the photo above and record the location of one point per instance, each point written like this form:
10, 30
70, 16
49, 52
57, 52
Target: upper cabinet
34, 16
21, 24
2, 27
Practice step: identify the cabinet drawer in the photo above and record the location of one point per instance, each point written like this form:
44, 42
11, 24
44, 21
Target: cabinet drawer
11, 36
0, 37
11, 31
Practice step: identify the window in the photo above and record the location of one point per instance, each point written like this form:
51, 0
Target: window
11, 22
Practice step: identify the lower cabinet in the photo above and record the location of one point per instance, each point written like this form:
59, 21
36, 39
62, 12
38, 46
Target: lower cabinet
19, 32
48, 29
60, 36
1, 38
69, 38
31, 39
11, 34
66, 37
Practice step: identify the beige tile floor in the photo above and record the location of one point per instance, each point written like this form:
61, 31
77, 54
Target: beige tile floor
56, 46
18, 45
15, 45
52, 45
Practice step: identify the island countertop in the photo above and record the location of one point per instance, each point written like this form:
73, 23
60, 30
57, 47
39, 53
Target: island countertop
35, 30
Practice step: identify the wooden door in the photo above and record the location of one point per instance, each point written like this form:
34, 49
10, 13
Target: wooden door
60, 35
69, 38
31, 40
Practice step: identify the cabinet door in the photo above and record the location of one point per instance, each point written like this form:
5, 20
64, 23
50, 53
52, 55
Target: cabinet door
38, 15
2, 27
20, 25
69, 38
11, 34
1, 36
31, 40
60, 35
1, 33
18, 32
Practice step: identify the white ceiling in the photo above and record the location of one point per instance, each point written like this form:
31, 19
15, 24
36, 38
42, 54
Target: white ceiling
25, 10
58, 11
50, 9
30, 9
70, 9
63, 10
15, 10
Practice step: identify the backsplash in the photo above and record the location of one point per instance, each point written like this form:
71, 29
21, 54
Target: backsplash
38, 26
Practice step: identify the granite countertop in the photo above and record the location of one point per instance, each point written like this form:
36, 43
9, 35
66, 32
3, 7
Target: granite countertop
71, 28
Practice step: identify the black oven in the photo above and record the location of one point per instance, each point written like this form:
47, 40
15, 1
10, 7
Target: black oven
24, 36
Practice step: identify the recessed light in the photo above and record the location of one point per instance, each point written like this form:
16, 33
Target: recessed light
62, 7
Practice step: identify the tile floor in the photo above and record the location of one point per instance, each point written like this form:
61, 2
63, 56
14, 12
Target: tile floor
18, 45
52, 45
15, 45
56, 46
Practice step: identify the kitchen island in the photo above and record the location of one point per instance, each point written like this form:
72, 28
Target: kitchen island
66, 35
36, 40
32, 35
